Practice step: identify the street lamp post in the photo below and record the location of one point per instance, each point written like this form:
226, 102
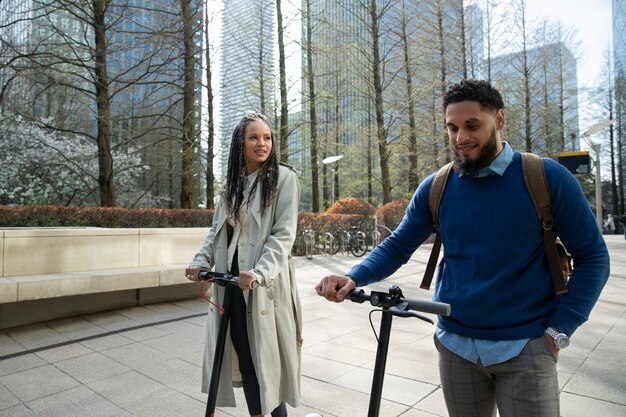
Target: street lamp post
599, 215
330, 160
596, 149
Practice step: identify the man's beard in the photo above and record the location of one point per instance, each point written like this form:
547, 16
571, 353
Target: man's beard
471, 167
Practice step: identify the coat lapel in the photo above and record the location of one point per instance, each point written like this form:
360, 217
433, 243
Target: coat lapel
256, 206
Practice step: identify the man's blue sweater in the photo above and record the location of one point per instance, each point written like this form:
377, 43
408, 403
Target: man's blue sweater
494, 271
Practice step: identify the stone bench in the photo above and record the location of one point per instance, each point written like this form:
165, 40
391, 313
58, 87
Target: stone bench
57, 272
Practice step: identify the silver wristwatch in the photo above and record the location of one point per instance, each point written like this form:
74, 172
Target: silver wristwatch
561, 340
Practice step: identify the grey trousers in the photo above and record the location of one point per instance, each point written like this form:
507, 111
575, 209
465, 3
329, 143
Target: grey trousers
524, 386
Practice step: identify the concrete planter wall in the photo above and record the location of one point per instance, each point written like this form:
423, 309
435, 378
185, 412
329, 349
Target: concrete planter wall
55, 272
33, 251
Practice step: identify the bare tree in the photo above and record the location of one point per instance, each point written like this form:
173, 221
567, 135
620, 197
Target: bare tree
522, 21
620, 113
413, 175
188, 188
210, 175
284, 123
381, 131
103, 140
442, 68
605, 96
310, 77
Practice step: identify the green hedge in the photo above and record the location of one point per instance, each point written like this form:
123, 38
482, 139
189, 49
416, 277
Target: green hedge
54, 216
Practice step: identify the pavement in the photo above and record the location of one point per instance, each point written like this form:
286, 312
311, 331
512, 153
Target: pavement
146, 361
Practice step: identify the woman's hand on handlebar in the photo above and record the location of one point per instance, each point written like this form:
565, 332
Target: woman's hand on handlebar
335, 287
192, 272
246, 279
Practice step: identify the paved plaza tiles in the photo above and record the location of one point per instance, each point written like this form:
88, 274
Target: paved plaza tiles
145, 361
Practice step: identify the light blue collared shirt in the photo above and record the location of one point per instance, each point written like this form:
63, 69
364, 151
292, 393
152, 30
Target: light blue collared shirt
488, 352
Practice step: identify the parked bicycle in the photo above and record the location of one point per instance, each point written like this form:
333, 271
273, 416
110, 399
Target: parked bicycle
377, 236
331, 244
353, 241
308, 237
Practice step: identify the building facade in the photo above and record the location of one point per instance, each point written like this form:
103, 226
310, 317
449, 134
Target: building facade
553, 86
46, 46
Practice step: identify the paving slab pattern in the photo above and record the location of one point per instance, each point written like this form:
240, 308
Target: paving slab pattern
156, 370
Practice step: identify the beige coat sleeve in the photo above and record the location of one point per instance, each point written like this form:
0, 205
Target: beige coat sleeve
205, 257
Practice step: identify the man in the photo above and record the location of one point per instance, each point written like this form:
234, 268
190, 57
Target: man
500, 345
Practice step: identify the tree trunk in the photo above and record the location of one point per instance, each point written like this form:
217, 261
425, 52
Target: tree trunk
546, 113
614, 193
315, 195
335, 169
210, 175
488, 34
413, 177
381, 132
370, 173
284, 122
187, 189
620, 110
103, 105
442, 63
526, 74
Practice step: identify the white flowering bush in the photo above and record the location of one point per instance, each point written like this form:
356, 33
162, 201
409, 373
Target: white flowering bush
43, 166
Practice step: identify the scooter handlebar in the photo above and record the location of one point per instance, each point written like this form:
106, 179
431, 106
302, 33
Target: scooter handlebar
380, 299
222, 279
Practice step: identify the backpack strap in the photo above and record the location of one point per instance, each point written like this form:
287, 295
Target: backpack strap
434, 200
537, 185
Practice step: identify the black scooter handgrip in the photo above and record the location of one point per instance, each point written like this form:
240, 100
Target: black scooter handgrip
433, 307
204, 275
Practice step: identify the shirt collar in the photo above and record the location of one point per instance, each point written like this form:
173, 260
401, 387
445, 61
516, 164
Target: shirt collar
250, 179
500, 164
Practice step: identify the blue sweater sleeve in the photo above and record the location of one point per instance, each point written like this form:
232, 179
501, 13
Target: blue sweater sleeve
576, 225
416, 226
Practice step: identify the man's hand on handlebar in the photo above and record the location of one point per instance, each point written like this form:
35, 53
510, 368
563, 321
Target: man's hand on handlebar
335, 287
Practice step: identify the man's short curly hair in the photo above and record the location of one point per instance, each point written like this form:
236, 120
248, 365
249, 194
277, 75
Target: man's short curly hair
473, 90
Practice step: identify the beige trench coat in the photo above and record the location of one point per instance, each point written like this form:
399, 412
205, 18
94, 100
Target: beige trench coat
275, 327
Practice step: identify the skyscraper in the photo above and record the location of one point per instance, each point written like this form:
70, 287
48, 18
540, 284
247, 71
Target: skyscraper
247, 69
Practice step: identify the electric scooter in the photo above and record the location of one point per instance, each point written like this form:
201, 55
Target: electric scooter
227, 281
392, 304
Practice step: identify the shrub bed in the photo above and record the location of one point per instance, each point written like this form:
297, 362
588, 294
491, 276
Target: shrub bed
113, 217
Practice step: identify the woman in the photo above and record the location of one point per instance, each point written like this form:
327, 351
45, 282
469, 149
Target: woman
253, 230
